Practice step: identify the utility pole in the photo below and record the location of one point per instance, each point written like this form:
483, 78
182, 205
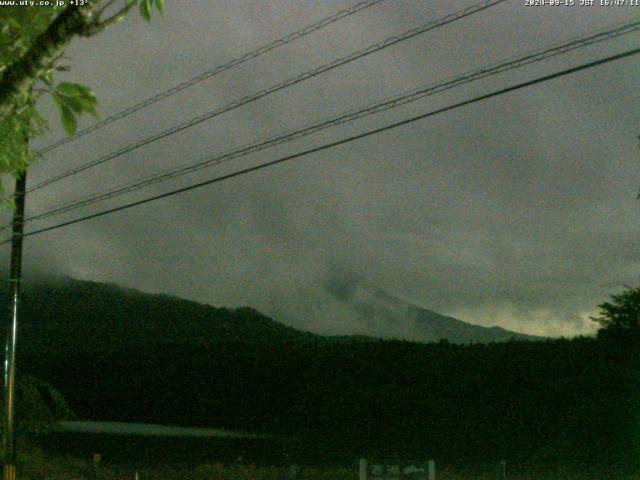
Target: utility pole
15, 280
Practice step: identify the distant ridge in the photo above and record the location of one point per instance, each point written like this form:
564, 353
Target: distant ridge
75, 316
80, 316
392, 317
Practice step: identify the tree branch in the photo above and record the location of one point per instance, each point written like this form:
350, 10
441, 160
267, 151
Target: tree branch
106, 6
21, 74
115, 18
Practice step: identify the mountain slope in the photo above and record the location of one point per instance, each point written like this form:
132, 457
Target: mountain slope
86, 316
80, 316
388, 316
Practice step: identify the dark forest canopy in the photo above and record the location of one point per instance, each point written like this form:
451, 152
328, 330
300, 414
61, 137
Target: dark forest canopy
565, 403
561, 403
619, 318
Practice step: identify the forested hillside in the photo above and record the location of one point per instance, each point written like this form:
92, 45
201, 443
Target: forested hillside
564, 402
540, 405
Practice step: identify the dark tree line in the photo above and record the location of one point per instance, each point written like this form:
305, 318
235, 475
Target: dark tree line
556, 404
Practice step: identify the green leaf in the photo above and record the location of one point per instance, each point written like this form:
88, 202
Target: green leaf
74, 90
69, 89
145, 9
74, 104
87, 100
69, 121
71, 103
91, 109
47, 78
57, 98
78, 98
160, 6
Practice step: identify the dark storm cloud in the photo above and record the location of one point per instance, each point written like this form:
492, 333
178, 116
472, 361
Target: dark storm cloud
518, 211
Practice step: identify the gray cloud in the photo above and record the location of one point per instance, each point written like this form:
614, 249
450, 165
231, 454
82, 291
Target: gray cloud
518, 211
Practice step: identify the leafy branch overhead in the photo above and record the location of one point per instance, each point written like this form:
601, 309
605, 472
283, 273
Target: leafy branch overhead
32, 44
147, 5
73, 99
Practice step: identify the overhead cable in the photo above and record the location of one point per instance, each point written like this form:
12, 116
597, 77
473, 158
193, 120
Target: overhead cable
303, 32
327, 146
274, 88
349, 116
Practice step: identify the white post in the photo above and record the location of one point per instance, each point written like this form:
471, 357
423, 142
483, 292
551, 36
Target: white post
136, 476
363, 469
431, 467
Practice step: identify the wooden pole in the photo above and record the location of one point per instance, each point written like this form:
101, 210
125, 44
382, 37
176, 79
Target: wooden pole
15, 281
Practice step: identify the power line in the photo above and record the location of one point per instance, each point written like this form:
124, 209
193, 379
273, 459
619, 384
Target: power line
303, 32
343, 141
394, 102
277, 87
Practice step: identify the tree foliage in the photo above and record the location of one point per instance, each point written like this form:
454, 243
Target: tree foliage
620, 318
32, 45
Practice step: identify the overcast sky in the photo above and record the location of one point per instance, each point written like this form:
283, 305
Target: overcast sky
518, 211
